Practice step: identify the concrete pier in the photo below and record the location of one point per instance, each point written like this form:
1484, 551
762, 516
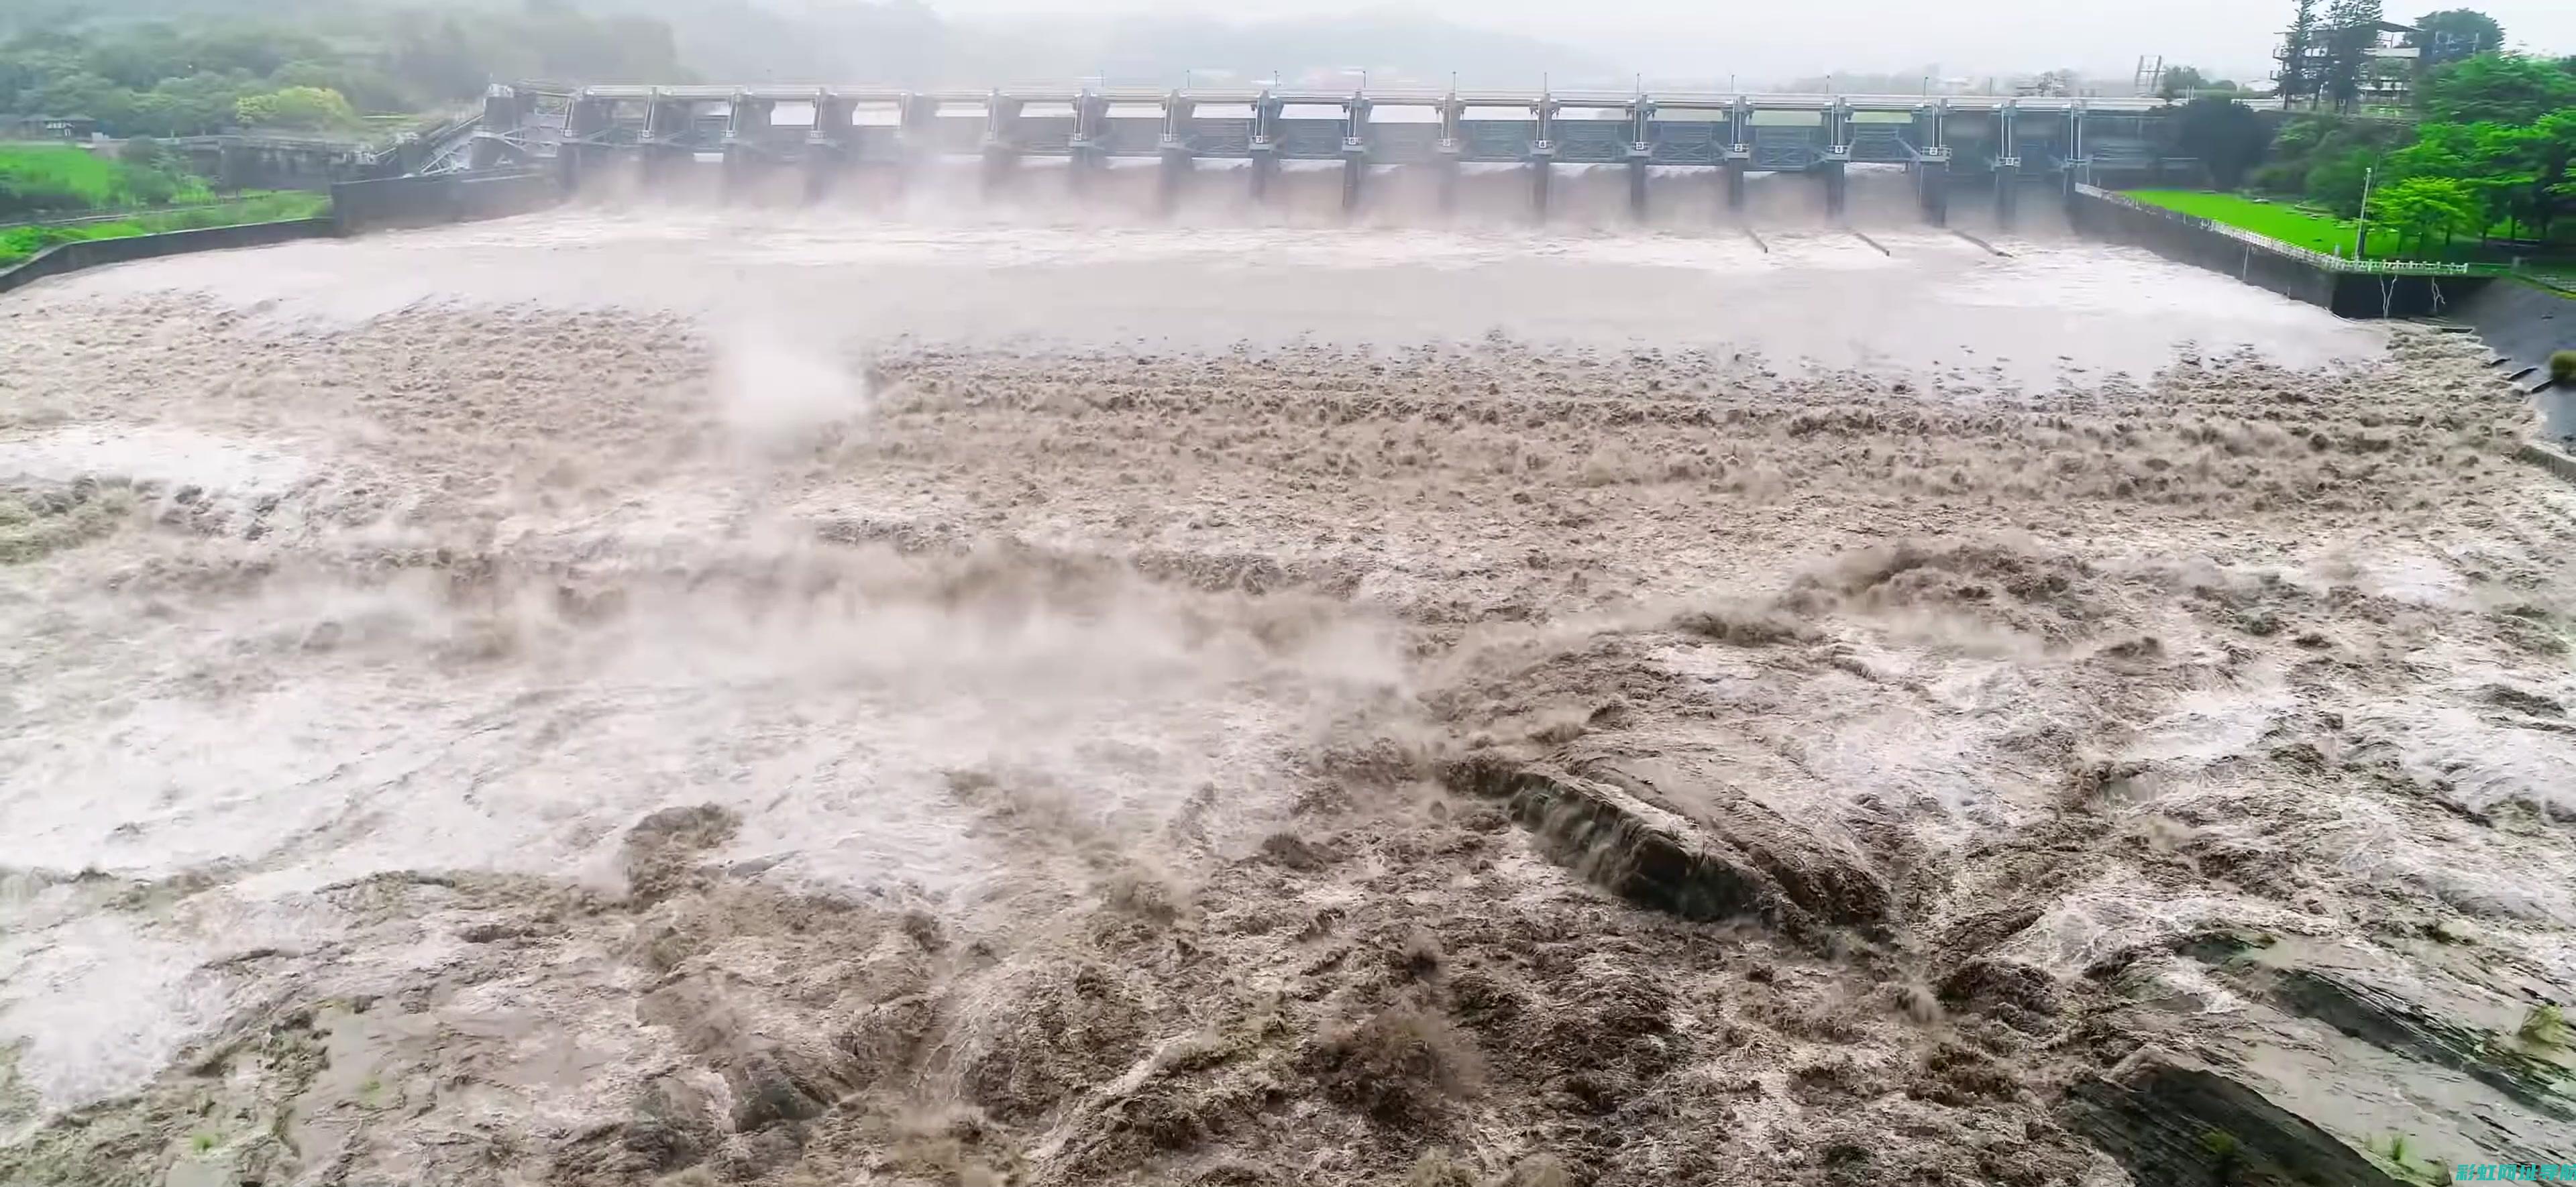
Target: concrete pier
1542, 157
1932, 189
1265, 171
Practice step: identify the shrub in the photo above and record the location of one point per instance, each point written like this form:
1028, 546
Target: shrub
2562, 366
2546, 1024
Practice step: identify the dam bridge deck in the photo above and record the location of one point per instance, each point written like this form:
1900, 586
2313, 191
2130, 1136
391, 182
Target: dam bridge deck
824, 131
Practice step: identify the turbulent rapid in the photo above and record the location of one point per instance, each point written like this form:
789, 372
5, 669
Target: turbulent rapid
670, 695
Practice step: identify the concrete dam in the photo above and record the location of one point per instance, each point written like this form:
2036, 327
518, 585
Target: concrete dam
1983, 148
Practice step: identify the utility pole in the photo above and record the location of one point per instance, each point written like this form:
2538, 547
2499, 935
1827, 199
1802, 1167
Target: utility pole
2361, 226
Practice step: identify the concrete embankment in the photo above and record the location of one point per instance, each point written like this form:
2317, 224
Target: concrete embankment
90, 253
2291, 272
2521, 322
445, 198
356, 207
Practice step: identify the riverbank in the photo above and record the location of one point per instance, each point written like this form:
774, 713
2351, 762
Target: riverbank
2314, 230
19, 243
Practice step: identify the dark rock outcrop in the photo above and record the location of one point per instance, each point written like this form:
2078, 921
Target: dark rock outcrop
2392, 1023
2178, 1124
1700, 856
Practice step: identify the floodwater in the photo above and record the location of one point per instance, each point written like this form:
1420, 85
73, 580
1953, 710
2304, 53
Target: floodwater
991, 562
1891, 295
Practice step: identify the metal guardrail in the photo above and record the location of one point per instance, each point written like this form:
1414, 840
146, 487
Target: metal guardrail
2319, 259
1381, 96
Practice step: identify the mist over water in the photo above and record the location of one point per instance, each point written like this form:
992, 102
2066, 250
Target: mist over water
943, 258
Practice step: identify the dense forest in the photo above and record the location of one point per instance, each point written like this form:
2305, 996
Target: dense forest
2490, 153
183, 67
195, 75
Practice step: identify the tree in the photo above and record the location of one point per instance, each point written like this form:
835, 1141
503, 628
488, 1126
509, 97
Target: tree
2226, 135
2419, 208
2497, 88
296, 107
2456, 33
2298, 77
2543, 156
2180, 82
193, 106
2337, 181
2352, 29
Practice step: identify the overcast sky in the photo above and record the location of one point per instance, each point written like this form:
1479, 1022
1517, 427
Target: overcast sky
1698, 38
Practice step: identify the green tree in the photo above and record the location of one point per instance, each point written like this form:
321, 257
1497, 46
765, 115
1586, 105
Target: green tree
2336, 181
2456, 33
2180, 82
80, 93
2299, 48
2543, 156
2419, 208
2225, 135
2352, 28
197, 105
2497, 88
296, 107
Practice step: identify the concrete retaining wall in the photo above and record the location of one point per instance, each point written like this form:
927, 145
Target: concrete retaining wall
2522, 322
2185, 239
2550, 458
356, 206
445, 198
72, 257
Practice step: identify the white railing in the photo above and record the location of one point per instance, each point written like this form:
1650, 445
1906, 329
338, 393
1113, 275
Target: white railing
2329, 262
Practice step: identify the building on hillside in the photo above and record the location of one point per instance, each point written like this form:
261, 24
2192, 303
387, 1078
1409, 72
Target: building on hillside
49, 127
2392, 60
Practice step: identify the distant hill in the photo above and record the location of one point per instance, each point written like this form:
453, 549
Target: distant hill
901, 42
910, 44
1393, 49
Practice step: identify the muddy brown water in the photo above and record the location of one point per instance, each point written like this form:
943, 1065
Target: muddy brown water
674, 691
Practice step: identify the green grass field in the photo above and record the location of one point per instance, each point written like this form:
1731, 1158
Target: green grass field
37, 179
2318, 232
18, 243
2277, 220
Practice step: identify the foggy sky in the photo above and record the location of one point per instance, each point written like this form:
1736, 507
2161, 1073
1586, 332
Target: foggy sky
1700, 39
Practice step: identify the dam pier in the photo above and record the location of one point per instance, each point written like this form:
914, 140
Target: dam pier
1982, 148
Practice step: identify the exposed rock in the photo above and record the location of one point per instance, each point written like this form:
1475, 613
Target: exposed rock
1652, 857
1701, 854
2016, 993
2176, 1124
2385, 1020
2506, 696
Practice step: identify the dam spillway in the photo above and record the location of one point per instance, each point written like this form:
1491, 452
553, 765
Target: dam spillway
1988, 146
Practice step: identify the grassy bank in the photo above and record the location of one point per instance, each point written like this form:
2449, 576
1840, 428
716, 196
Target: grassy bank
2333, 236
59, 179
2316, 232
18, 243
